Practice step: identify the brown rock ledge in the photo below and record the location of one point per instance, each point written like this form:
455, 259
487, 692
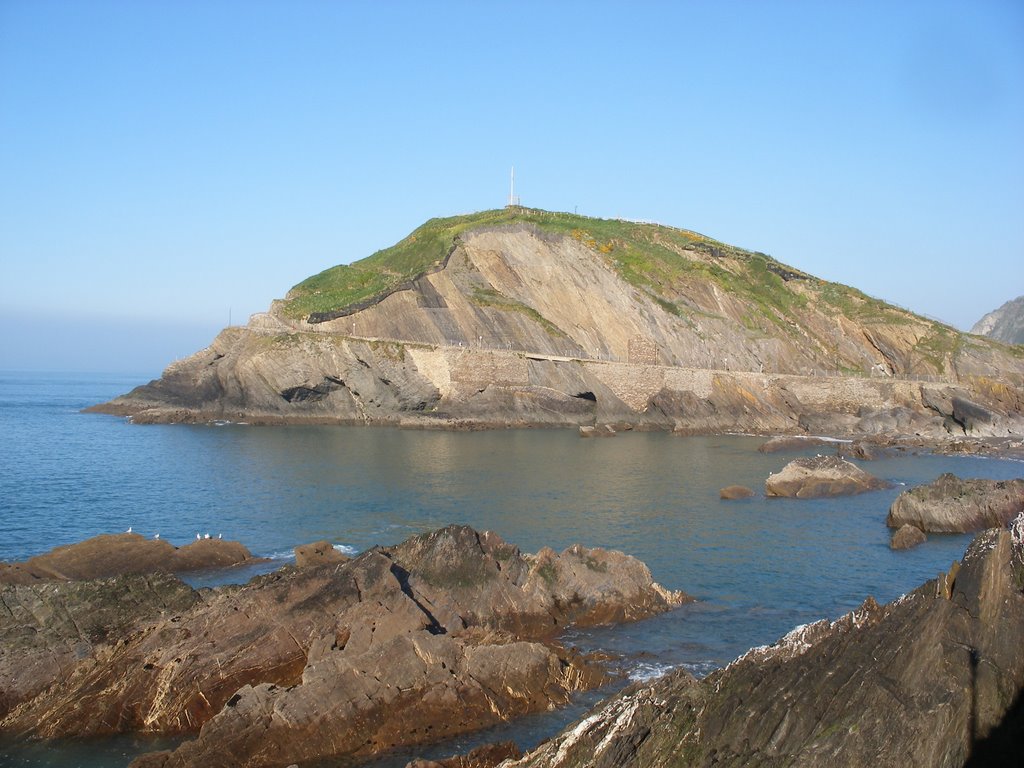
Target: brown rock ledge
448, 632
118, 554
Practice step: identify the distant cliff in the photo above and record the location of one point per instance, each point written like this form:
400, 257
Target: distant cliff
1005, 324
519, 317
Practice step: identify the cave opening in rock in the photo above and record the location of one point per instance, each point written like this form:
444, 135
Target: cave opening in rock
586, 396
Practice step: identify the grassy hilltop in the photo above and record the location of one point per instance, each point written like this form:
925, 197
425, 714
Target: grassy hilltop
662, 261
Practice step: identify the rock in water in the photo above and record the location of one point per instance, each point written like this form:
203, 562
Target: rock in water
821, 476
952, 505
447, 632
907, 537
928, 680
110, 555
731, 492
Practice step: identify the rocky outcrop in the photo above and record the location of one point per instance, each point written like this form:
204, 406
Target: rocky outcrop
444, 633
317, 553
928, 680
952, 505
821, 476
733, 492
49, 629
522, 318
123, 553
907, 537
1005, 324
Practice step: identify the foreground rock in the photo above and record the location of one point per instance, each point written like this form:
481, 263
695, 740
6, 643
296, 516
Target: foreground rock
952, 505
928, 680
317, 553
821, 476
123, 553
444, 633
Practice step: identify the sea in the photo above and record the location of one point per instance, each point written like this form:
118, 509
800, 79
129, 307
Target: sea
758, 567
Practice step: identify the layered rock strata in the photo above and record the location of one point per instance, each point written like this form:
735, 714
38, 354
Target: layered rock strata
932, 679
447, 632
518, 325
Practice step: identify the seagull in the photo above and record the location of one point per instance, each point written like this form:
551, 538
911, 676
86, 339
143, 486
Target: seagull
198, 536
206, 536
220, 535
156, 536
129, 529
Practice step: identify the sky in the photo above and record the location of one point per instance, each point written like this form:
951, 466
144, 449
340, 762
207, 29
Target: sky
169, 167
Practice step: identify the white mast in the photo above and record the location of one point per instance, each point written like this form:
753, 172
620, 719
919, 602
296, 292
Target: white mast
512, 189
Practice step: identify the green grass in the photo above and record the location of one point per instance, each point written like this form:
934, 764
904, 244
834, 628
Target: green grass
638, 256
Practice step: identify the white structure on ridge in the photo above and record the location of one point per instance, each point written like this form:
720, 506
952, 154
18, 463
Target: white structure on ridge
512, 199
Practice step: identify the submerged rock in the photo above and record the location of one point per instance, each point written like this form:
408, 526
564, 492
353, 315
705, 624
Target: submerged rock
821, 476
732, 492
444, 633
116, 554
952, 505
928, 680
792, 443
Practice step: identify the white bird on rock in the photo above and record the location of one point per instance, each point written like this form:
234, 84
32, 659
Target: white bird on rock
129, 529
206, 536
156, 535
198, 537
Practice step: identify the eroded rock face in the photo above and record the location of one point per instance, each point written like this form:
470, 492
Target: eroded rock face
952, 505
923, 681
516, 325
821, 476
110, 555
444, 633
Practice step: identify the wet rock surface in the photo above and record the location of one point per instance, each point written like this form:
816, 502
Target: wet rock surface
821, 476
447, 632
954, 505
932, 679
116, 554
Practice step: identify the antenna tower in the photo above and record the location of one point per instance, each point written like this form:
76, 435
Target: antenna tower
512, 199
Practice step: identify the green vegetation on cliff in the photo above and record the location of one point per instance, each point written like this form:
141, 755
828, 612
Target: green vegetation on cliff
666, 263
652, 257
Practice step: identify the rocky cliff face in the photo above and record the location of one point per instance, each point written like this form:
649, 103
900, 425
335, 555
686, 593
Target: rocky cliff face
932, 679
529, 318
1005, 324
445, 633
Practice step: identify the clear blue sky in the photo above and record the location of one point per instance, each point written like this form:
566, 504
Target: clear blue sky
164, 164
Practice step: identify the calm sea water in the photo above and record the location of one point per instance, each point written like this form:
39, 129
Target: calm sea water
759, 567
